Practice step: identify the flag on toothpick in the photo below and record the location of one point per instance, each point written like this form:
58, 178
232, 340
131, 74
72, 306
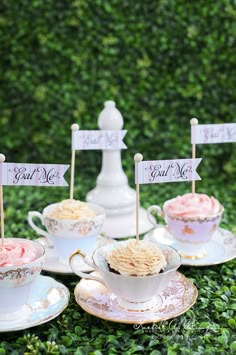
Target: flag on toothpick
160, 171
213, 133
28, 175
93, 140
33, 174
98, 139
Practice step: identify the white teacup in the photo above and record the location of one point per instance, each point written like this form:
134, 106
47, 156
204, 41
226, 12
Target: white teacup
191, 234
68, 235
134, 293
16, 283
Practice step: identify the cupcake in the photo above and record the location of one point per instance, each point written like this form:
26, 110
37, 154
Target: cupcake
16, 252
71, 209
136, 258
194, 206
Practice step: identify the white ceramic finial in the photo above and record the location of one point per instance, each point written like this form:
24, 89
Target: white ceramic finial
138, 158
194, 121
112, 190
110, 118
2, 158
110, 104
74, 127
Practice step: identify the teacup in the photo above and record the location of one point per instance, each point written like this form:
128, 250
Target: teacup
134, 293
17, 282
68, 235
191, 234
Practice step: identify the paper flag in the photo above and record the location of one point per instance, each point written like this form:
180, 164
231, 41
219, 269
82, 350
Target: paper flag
159, 171
213, 133
33, 174
99, 139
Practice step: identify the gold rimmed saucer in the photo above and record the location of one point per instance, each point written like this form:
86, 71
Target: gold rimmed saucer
220, 249
176, 299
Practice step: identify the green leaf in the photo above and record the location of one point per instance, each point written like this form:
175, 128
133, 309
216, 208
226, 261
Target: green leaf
232, 323
66, 340
233, 346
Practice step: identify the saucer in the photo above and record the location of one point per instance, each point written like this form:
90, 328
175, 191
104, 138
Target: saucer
97, 300
53, 263
47, 300
221, 248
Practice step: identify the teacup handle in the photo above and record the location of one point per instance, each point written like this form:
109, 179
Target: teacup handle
40, 231
78, 254
159, 212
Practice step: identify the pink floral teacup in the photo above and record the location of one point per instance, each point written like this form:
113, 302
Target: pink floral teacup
193, 226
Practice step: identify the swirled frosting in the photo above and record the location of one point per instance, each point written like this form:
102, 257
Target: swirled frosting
192, 206
137, 258
16, 253
72, 209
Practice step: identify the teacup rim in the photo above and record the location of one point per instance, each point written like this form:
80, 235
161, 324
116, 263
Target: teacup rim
140, 277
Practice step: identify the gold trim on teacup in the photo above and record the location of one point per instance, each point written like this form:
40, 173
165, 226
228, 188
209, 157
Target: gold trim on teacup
77, 252
83, 226
192, 219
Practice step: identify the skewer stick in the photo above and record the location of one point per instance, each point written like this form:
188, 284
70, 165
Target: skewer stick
74, 128
2, 159
193, 122
137, 158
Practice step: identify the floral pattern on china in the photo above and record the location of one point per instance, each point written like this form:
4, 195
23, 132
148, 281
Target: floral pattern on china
20, 273
83, 227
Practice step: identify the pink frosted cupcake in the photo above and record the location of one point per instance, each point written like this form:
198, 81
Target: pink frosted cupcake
16, 252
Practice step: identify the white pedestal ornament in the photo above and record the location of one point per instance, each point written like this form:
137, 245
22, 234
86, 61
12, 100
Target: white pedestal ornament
112, 190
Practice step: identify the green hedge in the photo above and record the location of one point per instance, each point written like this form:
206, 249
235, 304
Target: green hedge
162, 62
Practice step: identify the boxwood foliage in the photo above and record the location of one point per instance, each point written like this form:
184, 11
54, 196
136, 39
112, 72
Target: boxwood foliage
162, 62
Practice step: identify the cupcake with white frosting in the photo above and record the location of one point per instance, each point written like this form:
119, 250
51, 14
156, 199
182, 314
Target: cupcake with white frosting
72, 209
136, 258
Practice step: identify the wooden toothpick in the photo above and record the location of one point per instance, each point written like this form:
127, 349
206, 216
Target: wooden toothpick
2, 159
137, 158
74, 128
193, 122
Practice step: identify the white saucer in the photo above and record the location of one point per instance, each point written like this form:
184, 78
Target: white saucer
220, 249
96, 299
47, 300
53, 264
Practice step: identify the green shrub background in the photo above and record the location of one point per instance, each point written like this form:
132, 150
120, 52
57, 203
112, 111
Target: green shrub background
162, 62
